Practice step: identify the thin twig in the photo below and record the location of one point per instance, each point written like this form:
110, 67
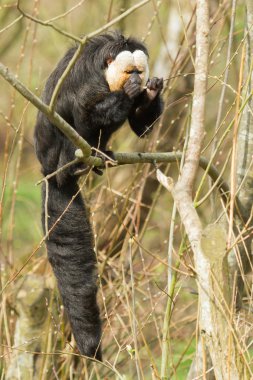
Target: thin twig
11, 24
47, 23
61, 169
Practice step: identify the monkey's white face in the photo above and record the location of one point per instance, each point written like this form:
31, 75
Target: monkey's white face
125, 64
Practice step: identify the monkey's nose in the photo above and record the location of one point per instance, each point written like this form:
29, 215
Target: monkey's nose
135, 78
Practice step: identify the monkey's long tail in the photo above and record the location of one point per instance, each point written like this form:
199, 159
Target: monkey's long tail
71, 254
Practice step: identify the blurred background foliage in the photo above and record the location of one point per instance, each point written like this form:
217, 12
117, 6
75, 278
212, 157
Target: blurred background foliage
127, 201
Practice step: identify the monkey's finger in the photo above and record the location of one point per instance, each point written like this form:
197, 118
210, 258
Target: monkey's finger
132, 90
133, 93
160, 83
155, 84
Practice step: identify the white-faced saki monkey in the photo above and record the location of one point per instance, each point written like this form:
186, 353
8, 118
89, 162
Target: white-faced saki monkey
108, 84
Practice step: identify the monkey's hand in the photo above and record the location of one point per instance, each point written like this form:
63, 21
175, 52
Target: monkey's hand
154, 87
132, 87
107, 157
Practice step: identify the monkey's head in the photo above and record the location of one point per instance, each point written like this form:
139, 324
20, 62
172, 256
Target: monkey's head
124, 65
117, 58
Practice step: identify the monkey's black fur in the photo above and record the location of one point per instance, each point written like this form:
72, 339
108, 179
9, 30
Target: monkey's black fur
86, 103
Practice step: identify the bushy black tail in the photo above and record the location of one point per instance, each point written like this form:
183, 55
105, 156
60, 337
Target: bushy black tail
71, 254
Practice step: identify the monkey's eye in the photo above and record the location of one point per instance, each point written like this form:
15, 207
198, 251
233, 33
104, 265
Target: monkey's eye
133, 72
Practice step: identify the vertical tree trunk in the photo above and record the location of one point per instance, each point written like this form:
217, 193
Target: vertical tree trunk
216, 327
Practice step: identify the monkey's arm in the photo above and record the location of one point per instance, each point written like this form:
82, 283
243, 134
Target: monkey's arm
112, 110
97, 108
148, 106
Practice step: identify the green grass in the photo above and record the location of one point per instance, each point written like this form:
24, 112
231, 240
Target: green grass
27, 226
